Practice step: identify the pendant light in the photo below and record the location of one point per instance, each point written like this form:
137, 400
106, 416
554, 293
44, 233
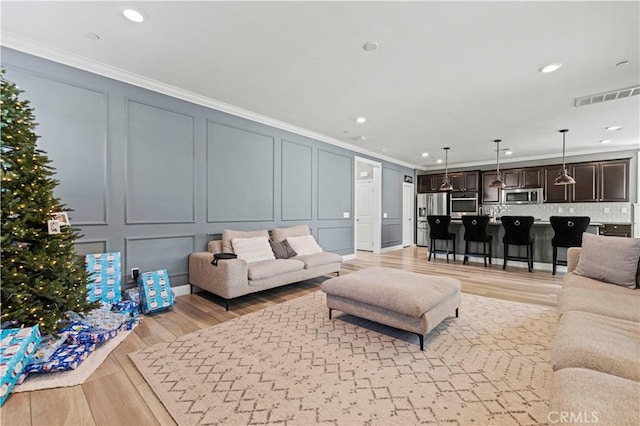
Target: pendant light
564, 178
446, 185
497, 182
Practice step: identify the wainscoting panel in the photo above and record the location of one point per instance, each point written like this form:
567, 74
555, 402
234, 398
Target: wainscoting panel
297, 187
240, 175
337, 239
89, 247
335, 185
72, 125
153, 253
392, 193
391, 234
160, 166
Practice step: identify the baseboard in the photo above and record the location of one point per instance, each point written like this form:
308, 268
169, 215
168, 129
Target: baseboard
182, 290
346, 257
392, 248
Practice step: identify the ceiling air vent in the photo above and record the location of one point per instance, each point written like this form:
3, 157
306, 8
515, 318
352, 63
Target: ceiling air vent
609, 96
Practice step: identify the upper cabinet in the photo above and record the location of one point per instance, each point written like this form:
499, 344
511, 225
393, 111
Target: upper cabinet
461, 181
600, 181
489, 195
554, 193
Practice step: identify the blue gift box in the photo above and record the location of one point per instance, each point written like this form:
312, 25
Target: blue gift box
155, 291
67, 357
16, 347
105, 278
47, 347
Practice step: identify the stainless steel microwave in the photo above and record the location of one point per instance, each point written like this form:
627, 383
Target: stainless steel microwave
522, 196
463, 206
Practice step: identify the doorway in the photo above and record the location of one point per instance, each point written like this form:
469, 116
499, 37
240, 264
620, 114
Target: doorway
368, 205
408, 207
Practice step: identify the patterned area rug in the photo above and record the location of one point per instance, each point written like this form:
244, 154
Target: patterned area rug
290, 364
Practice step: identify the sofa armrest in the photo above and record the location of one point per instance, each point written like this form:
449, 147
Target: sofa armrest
229, 279
573, 255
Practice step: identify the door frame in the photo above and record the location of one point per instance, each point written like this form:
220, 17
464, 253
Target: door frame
377, 203
412, 211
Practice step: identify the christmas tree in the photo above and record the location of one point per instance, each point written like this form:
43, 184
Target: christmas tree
42, 277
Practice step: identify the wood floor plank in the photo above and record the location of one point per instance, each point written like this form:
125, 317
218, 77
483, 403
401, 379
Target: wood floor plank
114, 400
16, 410
61, 406
118, 394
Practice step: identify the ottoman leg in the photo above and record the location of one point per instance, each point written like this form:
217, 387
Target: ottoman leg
457, 312
331, 310
421, 337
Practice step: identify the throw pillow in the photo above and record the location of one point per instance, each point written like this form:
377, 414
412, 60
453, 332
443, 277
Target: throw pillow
304, 245
255, 249
609, 259
229, 234
282, 250
280, 234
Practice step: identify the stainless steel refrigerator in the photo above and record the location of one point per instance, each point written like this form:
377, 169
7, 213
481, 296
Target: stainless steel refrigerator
435, 203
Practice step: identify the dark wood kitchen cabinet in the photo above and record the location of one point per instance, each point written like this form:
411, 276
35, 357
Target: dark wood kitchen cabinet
511, 178
531, 178
489, 195
614, 180
464, 181
600, 181
554, 193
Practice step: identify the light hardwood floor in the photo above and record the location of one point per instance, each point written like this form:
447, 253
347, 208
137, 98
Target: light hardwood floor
116, 394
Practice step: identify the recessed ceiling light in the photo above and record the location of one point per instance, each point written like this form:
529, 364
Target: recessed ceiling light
613, 128
371, 46
606, 140
361, 120
359, 138
133, 15
550, 67
439, 160
425, 154
508, 152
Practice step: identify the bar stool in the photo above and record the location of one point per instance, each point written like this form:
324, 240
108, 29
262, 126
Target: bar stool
439, 230
567, 233
517, 232
475, 231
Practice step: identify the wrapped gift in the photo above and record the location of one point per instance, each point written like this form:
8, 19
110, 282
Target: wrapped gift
104, 277
132, 294
16, 347
155, 291
67, 357
130, 307
47, 347
81, 333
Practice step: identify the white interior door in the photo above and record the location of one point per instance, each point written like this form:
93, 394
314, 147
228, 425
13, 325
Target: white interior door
407, 214
364, 220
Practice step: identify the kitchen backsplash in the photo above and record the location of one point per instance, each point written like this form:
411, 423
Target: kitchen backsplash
598, 212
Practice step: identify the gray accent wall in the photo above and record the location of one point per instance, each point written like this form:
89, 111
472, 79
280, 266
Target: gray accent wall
154, 177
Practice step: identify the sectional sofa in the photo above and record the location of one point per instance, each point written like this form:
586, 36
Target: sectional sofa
596, 352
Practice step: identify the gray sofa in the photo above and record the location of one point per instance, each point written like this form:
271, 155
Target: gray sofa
596, 351
235, 277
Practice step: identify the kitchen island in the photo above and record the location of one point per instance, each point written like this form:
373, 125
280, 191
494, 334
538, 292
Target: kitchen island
542, 233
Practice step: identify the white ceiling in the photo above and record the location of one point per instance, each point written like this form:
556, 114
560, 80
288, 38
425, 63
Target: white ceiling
456, 74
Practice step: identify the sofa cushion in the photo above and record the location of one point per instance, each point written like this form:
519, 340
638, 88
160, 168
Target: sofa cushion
584, 396
610, 259
304, 245
251, 250
282, 250
319, 259
597, 342
228, 235
573, 280
281, 234
601, 302
272, 268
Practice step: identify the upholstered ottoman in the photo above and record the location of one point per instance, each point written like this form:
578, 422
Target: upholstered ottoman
405, 300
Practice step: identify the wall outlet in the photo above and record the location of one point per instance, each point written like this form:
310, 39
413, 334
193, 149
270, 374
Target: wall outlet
560, 210
384, 215
606, 210
135, 272
345, 215
572, 210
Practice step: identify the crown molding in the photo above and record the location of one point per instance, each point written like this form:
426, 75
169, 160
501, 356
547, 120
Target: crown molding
21, 44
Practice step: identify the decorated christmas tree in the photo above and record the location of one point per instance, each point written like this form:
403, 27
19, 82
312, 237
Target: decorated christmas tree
42, 277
